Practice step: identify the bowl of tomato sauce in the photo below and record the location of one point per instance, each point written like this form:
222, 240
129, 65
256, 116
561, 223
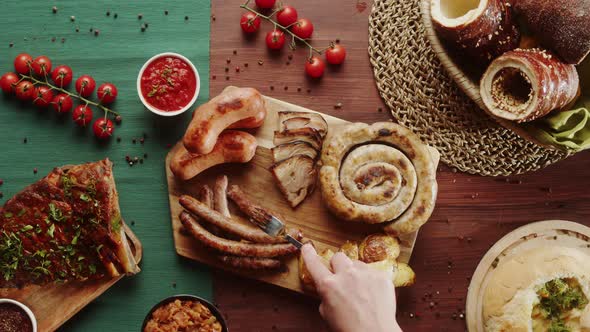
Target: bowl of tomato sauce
168, 84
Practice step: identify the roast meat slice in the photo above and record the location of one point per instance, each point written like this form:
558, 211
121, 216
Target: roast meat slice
307, 134
288, 150
296, 120
296, 178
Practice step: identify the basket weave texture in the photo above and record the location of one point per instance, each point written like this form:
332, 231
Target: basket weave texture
423, 97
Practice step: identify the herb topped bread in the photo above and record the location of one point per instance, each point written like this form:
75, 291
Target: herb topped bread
543, 289
67, 226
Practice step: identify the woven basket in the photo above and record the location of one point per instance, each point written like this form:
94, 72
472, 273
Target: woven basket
424, 98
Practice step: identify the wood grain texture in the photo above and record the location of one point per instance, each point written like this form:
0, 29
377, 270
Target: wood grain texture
54, 304
255, 178
549, 233
472, 212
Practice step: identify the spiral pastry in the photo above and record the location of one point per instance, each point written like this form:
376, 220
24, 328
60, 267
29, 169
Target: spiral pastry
379, 173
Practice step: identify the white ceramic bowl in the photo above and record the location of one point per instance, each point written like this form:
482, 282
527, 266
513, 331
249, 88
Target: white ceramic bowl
26, 309
156, 110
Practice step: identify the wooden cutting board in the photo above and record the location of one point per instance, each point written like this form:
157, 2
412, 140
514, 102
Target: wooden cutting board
534, 235
255, 179
54, 304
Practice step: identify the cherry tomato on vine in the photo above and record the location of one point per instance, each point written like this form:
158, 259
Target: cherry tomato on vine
287, 16
335, 54
62, 75
62, 103
42, 96
250, 22
82, 115
107, 92
314, 67
23, 63
303, 28
41, 66
85, 85
8, 82
265, 4
275, 39
25, 90
103, 128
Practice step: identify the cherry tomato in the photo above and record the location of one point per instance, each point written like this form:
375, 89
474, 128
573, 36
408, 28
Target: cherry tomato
287, 16
82, 115
62, 103
23, 63
250, 22
107, 92
103, 128
85, 85
265, 4
25, 90
314, 67
275, 39
8, 82
41, 66
303, 28
335, 54
42, 96
62, 75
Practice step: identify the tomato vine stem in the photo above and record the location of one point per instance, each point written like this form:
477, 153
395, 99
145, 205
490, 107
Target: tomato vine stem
286, 29
53, 87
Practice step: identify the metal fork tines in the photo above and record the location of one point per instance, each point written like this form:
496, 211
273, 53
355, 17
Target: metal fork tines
275, 227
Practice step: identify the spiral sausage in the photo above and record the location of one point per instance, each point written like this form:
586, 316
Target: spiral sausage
379, 173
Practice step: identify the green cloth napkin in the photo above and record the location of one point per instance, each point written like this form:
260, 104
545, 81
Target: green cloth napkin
115, 55
569, 130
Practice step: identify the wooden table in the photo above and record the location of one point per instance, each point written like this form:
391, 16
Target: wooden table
472, 212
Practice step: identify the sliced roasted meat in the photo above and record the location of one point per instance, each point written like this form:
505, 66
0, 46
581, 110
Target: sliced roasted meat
288, 150
296, 178
297, 120
308, 135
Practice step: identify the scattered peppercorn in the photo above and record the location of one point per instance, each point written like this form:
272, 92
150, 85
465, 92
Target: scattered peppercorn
165, 12
54, 9
246, 65
118, 119
25, 140
141, 140
288, 63
1, 194
96, 32
227, 78
108, 13
11, 45
141, 160
53, 39
290, 56
91, 29
147, 25
186, 18
118, 139
132, 222
116, 15
228, 60
35, 170
237, 69
338, 106
226, 69
77, 29
72, 18
308, 90
139, 16
380, 110
260, 62
298, 89
235, 52
337, 41
272, 87
134, 141
286, 88
145, 155
213, 17
142, 29
213, 77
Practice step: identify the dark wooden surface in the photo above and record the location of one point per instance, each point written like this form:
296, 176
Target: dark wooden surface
472, 212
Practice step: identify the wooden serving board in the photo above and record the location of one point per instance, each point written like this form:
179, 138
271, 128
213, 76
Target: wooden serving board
534, 235
54, 304
315, 221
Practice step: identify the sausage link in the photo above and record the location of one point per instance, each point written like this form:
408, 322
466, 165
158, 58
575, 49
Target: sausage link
246, 232
251, 263
220, 196
233, 247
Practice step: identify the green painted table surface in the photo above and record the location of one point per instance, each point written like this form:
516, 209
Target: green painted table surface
115, 55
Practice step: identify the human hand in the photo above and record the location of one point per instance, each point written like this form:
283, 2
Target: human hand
354, 296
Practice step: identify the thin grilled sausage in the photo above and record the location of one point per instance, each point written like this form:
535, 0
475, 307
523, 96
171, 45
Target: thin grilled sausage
246, 232
220, 196
233, 247
251, 263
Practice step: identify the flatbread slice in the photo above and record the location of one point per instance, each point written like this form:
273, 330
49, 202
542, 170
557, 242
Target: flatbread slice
65, 227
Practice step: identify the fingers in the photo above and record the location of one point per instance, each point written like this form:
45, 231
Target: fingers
314, 264
340, 262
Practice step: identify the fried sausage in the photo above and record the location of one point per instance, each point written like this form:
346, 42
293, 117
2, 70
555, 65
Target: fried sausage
251, 263
220, 196
250, 123
210, 119
246, 232
232, 147
206, 196
234, 247
254, 211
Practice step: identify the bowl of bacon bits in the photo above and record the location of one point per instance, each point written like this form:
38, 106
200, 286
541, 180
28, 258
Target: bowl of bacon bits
184, 313
168, 84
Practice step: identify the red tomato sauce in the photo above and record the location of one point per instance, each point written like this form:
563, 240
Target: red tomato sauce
168, 83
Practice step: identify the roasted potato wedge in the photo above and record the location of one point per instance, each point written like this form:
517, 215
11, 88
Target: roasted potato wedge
379, 247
